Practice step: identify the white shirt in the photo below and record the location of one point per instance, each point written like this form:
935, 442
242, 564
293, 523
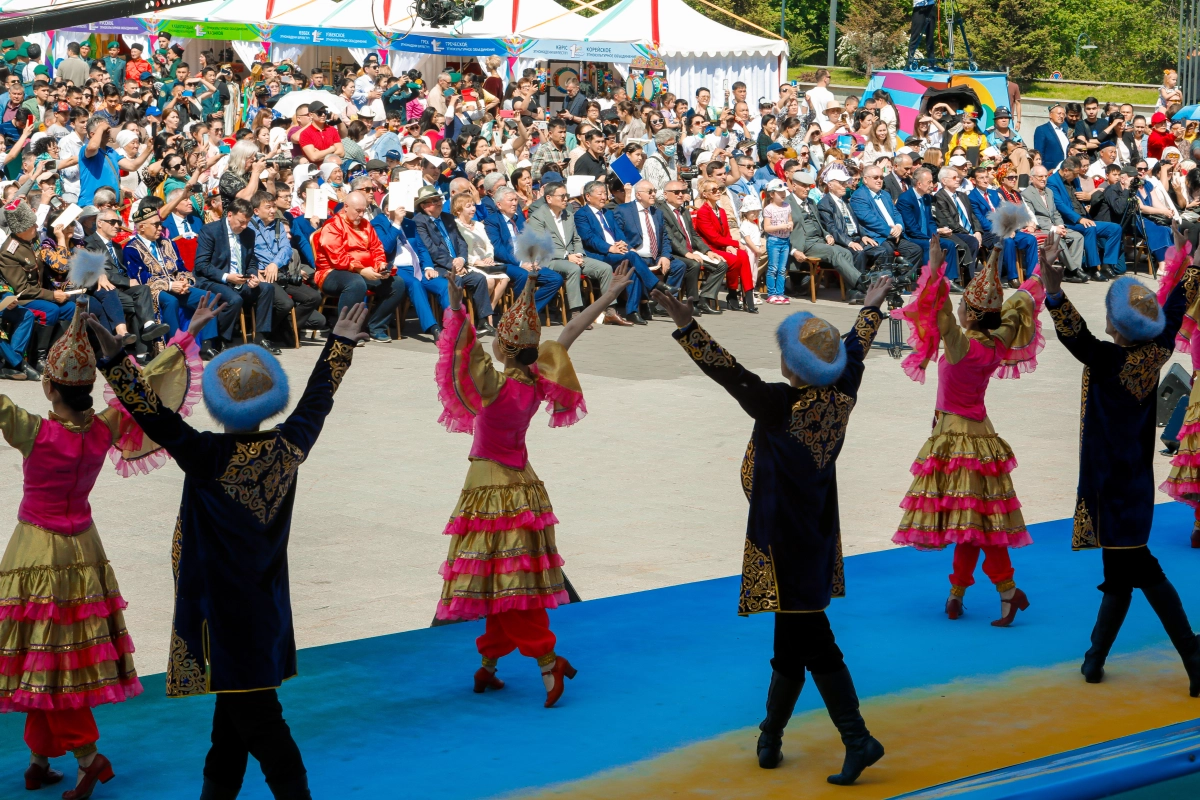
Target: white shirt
682, 226
235, 252
884, 212
362, 84
181, 224
561, 235
1062, 138
69, 147
851, 228
644, 250
819, 99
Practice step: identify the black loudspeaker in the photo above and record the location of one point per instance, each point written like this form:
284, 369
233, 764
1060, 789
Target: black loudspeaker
1177, 384
1170, 434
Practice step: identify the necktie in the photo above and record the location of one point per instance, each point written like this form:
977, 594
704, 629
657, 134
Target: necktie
686, 236
962, 216
446, 238
112, 253
154, 250
921, 216
650, 232
604, 224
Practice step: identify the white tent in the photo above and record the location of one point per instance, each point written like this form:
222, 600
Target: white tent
699, 51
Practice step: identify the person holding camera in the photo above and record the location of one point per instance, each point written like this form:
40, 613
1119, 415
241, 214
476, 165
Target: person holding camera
272, 246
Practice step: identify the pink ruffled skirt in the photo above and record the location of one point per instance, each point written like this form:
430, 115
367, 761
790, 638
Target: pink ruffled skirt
962, 491
1183, 484
502, 554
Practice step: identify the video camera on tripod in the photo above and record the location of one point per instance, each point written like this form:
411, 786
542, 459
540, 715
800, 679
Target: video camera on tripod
904, 277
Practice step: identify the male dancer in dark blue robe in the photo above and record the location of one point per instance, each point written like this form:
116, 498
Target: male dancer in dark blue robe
1114, 507
232, 632
792, 563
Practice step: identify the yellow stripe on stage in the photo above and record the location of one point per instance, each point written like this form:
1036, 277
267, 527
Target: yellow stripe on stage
931, 736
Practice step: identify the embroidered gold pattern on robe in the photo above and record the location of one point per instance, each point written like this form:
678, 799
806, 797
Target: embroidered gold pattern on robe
185, 675
1139, 375
127, 385
1066, 319
1087, 381
839, 571
819, 421
260, 475
748, 469
867, 326
339, 357
1083, 536
759, 591
176, 546
701, 347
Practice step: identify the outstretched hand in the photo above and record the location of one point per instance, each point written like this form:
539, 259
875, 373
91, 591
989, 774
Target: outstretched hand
352, 323
1052, 271
622, 275
936, 254
878, 292
681, 313
109, 346
206, 311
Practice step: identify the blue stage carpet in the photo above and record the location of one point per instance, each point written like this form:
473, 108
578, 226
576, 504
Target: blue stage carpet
394, 716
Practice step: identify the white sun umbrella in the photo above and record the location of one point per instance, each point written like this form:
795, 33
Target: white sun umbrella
287, 105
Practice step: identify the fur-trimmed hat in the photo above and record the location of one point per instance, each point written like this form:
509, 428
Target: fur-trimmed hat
244, 386
20, 217
812, 348
1133, 310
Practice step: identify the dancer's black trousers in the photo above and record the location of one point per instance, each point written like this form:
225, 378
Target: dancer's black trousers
805, 641
251, 724
1129, 569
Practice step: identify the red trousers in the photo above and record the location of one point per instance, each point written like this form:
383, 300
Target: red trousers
739, 275
996, 565
56, 733
527, 631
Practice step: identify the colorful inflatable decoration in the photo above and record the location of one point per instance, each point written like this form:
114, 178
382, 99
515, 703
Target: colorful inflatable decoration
908, 90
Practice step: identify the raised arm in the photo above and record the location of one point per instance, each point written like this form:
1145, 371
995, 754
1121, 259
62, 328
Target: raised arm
18, 426
303, 425
466, 378
579, 323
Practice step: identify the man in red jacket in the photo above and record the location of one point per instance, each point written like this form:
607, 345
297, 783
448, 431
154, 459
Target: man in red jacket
349, 260
136, 65
1160, 136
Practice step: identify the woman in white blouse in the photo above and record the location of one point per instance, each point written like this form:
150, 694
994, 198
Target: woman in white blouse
481, 257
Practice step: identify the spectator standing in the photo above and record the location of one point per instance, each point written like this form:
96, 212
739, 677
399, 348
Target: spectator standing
1050, 138
73, 69
777, 225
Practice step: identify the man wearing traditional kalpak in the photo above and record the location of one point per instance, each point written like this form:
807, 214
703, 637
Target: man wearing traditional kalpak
64, 648
1183, 484
1114, 507
961, 493
232, 631
503, 563
792, 562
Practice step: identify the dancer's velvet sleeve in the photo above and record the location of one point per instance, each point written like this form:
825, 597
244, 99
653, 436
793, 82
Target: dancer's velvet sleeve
466, 378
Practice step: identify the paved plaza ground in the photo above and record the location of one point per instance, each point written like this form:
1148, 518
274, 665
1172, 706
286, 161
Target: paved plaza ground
646, 488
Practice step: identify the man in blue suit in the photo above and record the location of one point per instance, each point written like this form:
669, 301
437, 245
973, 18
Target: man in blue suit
601, 239
1050, 138
503, 227
916, 214
984, 200
640, 225
439, 233
407, 254
1102, 253
878, 218
492, 183
226, 265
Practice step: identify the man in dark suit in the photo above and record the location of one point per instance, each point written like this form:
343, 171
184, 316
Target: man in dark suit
957, 221
878, 218
899, 180
226, 265
640, 225
446, 247
1102, 241
503, 227
555, 221
137, 301
597, 229
916, 214
688, 247
1050, 138
985, 200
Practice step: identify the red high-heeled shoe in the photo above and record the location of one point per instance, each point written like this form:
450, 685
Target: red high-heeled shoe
100, 770
954, 607
486, 680
38, 776
561, 667
1196, 535
1019, 602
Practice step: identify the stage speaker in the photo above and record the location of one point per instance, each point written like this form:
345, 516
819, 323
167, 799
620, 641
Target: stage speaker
1178, 383
1170, 434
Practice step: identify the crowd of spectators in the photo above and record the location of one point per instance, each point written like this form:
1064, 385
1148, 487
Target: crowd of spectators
189, 180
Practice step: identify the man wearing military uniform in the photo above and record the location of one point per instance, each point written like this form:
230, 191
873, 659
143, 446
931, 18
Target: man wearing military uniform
23, 268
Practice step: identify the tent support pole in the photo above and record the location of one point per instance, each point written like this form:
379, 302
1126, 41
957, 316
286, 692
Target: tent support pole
831, 55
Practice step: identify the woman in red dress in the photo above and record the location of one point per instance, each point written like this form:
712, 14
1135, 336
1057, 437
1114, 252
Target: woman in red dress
713, 227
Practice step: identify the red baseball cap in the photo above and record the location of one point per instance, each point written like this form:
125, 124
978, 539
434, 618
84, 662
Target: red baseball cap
1158, 118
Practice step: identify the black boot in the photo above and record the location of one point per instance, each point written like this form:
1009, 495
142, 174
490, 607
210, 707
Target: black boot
748, 301
731, 297
1113, 608
862, 749
291, 788
781, 700
211, 791
1166, 603
43, 336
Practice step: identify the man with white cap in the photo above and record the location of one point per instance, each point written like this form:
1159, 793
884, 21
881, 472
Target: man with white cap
810, 239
